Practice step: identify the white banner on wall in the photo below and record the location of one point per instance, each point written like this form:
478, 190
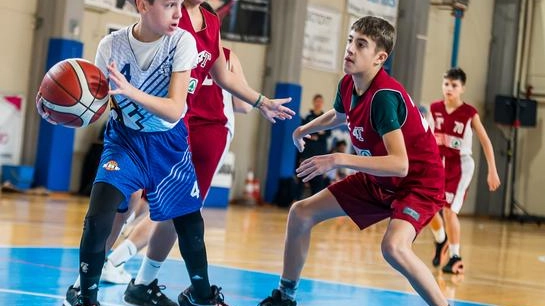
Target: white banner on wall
386, 9
11, 129
320, 47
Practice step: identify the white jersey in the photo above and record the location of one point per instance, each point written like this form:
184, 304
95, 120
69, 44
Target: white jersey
148, 67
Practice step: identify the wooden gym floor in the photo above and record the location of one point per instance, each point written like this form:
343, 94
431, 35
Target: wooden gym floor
504, 261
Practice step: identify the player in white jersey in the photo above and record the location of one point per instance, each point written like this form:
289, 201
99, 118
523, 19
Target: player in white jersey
454, 122
145, 144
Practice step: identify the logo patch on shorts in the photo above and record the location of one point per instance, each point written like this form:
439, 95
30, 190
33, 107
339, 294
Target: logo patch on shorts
111, 166
411, 212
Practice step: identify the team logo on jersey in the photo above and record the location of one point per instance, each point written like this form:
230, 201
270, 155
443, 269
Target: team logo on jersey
455, 143
358, 133
165, 69
111, 166
192, 85
364, 153
204, 58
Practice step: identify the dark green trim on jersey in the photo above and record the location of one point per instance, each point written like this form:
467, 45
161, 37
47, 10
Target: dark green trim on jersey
388, 109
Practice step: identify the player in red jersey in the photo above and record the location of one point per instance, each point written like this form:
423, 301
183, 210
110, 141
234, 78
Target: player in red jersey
205, 27
454, 122
400, 174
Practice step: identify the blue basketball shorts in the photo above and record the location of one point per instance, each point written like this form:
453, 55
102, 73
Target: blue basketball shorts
159, 162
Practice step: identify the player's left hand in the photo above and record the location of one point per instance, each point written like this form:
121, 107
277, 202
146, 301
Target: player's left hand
493, 180
273, 109
316, 165
123, 87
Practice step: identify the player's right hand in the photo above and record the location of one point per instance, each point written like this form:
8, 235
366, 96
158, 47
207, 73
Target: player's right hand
273, 109
298, 140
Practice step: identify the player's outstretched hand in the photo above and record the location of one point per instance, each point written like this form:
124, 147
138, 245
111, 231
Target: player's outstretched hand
316, 165
123, 87
273, 109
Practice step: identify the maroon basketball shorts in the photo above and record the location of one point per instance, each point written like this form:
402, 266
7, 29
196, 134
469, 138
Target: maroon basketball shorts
367, 203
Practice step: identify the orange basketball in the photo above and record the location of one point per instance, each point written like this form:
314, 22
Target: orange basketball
73, 93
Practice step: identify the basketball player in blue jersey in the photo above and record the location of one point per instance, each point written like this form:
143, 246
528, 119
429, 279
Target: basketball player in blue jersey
145, 144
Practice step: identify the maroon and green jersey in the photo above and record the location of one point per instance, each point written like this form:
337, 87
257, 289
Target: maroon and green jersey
385, 106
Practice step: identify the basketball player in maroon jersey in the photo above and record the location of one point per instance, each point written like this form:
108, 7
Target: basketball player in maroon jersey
399, 171
454, 122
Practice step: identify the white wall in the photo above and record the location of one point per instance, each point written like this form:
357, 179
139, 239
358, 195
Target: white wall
252, 58
531, 153
17, 23
473, 53
321, 82
475, 38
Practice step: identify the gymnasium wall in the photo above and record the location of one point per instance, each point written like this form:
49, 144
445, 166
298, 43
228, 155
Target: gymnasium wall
531, 149
475, 38
17, 24
472, 57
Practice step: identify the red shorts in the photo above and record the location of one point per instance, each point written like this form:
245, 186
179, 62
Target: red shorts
366, 203
208, 143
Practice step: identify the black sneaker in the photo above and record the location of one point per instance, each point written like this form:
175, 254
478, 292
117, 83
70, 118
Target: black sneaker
71, 296
440, 253
186, 298
454, 265
147, 295
276, 300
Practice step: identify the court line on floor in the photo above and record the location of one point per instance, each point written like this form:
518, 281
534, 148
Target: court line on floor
265, 272
52, 296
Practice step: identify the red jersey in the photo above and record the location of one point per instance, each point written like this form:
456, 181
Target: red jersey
209, 107
425, 166
453, 131
208, 49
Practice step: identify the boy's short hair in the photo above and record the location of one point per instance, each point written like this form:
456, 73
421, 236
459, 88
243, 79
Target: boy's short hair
379, 30
317, 96
455, 73
133, 2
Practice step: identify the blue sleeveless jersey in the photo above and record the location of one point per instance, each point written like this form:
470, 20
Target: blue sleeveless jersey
143, 151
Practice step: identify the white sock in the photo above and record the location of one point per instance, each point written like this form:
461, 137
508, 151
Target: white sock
129, 220
77, 283
439, 234
149, 269
454, 250
125, 251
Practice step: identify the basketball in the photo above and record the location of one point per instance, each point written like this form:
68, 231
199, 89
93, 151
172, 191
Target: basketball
73, 93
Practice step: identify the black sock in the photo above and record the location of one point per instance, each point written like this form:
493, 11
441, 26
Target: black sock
190, 230
105, 198
90, 269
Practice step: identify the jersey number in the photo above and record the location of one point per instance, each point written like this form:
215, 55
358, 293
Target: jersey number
126, 71
195, 190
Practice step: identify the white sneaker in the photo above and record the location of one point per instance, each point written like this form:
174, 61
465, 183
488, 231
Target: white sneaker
115, 275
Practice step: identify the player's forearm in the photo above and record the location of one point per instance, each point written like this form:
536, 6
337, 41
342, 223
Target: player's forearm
165, 108
389, 165
489, 155
326, 121
235, 85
